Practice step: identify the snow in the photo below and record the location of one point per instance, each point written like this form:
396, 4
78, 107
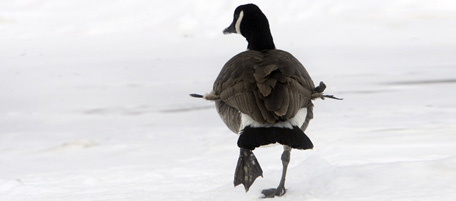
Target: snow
94, 100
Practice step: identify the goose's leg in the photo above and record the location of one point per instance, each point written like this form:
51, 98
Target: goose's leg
280, 190
247, 169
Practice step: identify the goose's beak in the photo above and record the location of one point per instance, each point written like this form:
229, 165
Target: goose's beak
230, 29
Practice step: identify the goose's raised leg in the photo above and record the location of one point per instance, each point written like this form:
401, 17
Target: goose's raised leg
247, 169
280, 190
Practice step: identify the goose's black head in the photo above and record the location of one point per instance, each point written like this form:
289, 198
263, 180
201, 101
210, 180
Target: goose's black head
253, 25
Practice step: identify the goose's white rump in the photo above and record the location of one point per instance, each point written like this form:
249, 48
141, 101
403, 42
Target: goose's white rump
298, 120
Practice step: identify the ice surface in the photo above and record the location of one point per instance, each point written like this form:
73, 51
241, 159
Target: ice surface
94, 100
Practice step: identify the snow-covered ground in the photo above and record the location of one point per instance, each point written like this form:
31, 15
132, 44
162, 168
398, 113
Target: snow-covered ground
94, 100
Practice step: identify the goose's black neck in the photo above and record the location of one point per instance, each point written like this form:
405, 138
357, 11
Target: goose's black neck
260, 41
255, 28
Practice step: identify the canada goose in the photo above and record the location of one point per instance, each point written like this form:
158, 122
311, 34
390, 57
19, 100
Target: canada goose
265, 95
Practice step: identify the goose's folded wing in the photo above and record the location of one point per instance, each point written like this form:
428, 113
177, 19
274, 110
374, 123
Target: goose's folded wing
268, 86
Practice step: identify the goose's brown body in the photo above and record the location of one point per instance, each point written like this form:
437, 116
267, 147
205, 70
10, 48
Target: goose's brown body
269, 86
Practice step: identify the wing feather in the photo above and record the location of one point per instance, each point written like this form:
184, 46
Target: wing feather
269, 86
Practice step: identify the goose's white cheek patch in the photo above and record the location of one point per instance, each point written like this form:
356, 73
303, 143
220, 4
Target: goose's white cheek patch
237, 26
